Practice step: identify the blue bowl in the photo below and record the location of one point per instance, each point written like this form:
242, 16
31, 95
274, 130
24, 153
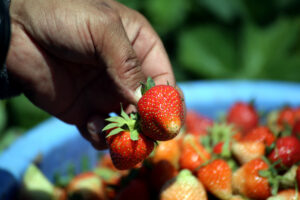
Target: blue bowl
60, 144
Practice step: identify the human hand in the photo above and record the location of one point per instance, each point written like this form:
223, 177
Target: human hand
78, 59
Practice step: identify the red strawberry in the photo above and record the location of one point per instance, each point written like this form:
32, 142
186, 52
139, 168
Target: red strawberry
197, 124
169, 151
86, 186
218, 148
162, 171
260, 134
286, 117
125, 152
183, 186
126, 146
161, 111
287, 149
247, 181
243, 116
193, 154
296, 129
136, 190
216, 178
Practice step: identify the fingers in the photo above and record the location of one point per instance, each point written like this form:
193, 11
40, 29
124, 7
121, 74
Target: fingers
115, 49
92, 132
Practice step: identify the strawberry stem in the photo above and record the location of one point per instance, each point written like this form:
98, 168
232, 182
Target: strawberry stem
146, 86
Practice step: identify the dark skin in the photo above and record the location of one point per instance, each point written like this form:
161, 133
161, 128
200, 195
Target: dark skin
79, 59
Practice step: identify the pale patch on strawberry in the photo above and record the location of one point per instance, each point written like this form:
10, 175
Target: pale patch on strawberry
288, 194
245, 151
247, 180
185, 186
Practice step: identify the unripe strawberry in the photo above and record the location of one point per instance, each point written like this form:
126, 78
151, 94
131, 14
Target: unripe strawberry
161, 111
86, 186
183, 186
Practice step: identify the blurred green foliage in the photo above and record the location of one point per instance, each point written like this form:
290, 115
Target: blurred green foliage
228, 39
17, 115
205, 39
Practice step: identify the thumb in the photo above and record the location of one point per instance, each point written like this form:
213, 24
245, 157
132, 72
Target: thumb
121, 61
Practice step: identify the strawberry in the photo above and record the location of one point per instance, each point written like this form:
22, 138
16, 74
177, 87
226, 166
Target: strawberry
243, 116
35, 186
216, 178
183, 186
218, 148
193, 154
296, 129
298, 176
169, 151
125, 152
126, 146
236, 197
260, 134
287, 149
161, 110
286, 117
86, 186
287, 194
60, 194
248, 182
161, 172
245, 151
197, 124
137, 189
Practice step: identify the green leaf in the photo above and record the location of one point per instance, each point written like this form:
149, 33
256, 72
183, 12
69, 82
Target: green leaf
23, 113
225, 10
110, 126
116, 119
264, 173
267, 51
207, 51
166, 15
134, 135
115, 131
124, 114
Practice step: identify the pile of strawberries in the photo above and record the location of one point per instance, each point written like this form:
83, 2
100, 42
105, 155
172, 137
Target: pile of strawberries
159, 154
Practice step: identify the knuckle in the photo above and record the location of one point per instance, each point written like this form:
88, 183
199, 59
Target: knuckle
130, 67
110, 16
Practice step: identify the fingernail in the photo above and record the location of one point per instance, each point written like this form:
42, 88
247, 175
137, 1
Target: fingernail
95, 125
138, 93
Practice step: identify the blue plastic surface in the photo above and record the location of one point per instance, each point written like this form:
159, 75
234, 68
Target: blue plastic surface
60, 144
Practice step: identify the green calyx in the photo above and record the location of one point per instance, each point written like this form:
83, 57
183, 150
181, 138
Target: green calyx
272, 175
220, 132
123, 123
146, 86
